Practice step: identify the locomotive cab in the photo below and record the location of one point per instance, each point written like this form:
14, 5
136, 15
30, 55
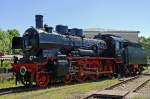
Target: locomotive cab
114, 45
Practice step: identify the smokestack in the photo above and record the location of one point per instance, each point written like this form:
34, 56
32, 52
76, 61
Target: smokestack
39, 21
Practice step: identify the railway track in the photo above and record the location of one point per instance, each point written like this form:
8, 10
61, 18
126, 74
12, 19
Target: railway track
143, 88
122, 83
21, 89
125, 88
132, 84
143, 85
17, 90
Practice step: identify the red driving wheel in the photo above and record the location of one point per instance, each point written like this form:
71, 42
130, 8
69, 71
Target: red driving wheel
42, 79
67, 78
80, 76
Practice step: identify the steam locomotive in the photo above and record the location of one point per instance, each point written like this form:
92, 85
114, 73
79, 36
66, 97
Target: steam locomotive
66, 55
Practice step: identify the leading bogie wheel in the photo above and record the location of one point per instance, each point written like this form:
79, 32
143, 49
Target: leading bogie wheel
42, 79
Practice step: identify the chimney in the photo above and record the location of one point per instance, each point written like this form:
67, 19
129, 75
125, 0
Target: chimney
39, 21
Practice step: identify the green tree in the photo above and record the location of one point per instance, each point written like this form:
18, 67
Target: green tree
11, 33
6, 40
145, 42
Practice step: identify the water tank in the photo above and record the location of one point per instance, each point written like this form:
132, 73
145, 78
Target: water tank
73, 31
62, 29
79, 32
76, 32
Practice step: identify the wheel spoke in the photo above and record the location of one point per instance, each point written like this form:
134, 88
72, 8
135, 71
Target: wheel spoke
67, 78
80, 78
42, 79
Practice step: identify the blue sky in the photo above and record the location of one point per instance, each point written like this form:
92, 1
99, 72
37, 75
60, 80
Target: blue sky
112, 14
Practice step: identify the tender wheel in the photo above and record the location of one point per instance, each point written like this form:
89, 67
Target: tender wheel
42, 79
67, 78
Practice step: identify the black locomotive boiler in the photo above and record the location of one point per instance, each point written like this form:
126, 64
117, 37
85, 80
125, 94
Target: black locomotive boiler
65, 54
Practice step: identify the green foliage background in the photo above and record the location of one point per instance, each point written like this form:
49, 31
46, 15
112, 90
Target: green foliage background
5, 43
145, 42
6, 39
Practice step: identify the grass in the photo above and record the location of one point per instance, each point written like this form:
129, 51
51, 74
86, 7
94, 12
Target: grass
147, 68
63, 92
8, 84
138, 97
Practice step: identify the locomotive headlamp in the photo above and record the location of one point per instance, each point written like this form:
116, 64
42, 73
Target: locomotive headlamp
23, 71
